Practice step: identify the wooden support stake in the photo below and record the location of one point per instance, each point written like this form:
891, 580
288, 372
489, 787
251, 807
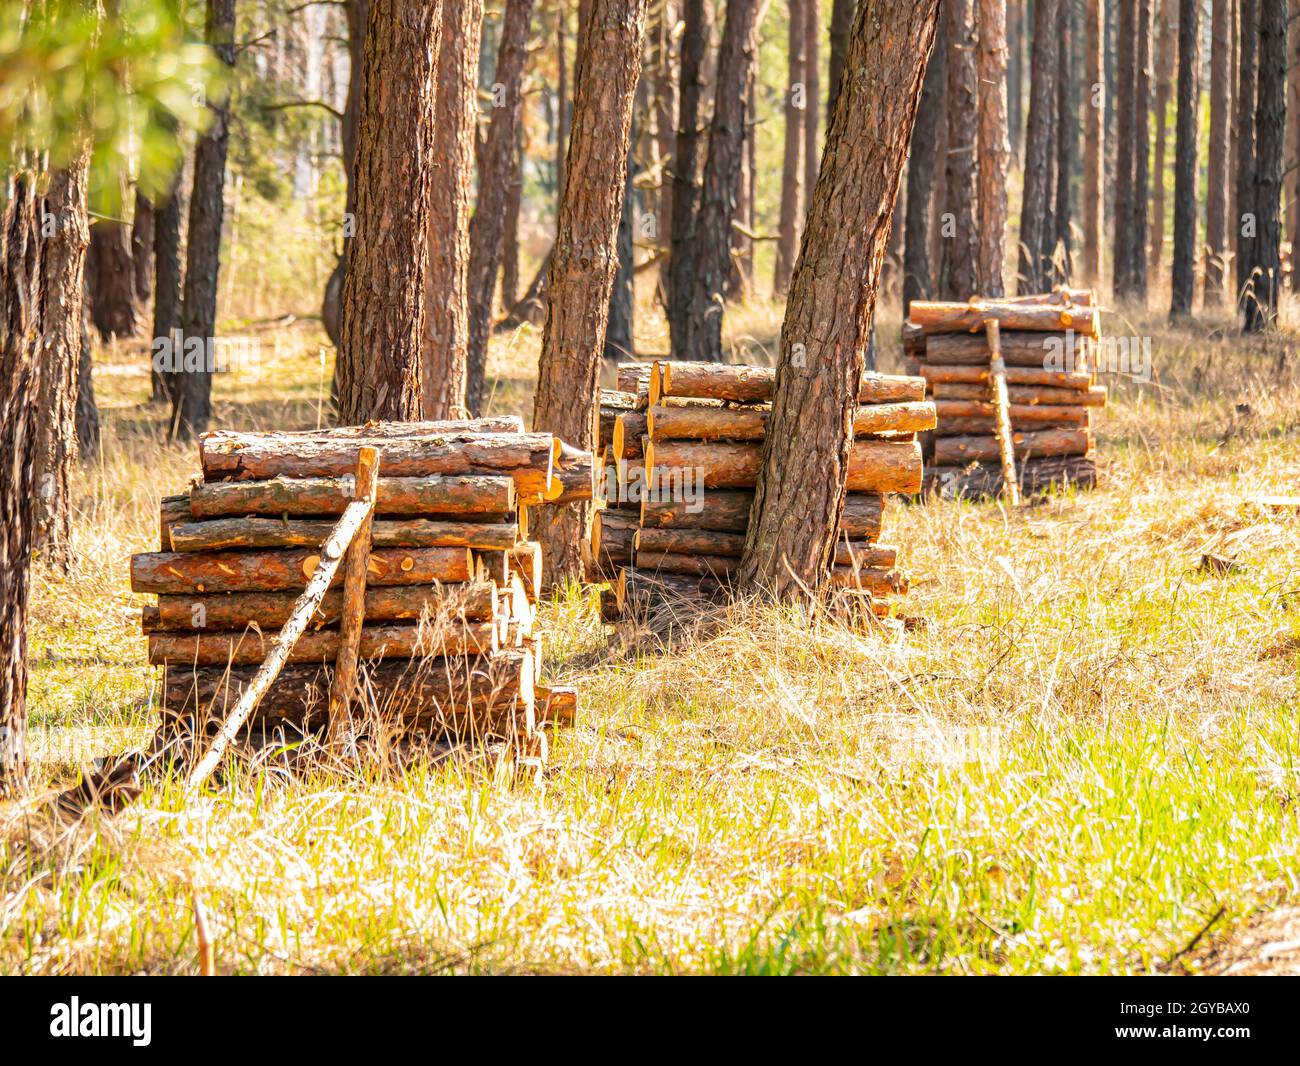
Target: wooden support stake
354, 598
1001, 404
331, 556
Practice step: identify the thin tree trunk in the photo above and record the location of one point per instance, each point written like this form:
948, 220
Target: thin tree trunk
1219, 174
812, 112
1125, 156
562, 96
994, 148
1167, 52
841, 24
445, 346
1185, 163
111, 271
686, 170
1270, 142
918, 281
142, 237
1038, 186
383, 306
792, 175
1142, 152
193, 357
665, 111
584, 260
619, 342
1015, 23
736, 59
961, 183
87, 410
1244, 223
510, 235
1094, 157
495, 168
800, 490
1292, 167
167, 288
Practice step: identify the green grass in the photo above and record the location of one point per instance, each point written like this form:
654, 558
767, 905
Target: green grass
1085, 754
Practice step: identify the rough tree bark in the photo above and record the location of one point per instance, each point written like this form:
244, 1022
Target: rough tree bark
1125, 121
619, 341
1270, 140
736, 56
1142, 152
1040, 136
686, 169
111, 273
1219, 174
918, 280
1094, 158
585, 259
792, 174
142, 237
167, 284
445, 347
382, 312
510, 230
1167, 55
192, 384
1244, 222
994, 149
961, 176
1185, 161
800, 490
812, 80
495, 167
841, 24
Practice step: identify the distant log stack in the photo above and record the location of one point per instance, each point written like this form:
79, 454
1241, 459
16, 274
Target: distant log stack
445, 613
1049, 346
682, 445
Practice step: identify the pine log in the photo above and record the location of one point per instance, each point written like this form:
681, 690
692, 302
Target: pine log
1016, 375
1020, 412
705, 542
728, 512
274, 571
984, 427
472, 602
465, 696
750, 424
1062, 294
878, 582
612, 404
980, 480
1024, 394
632, 376
638, 590
441, 427
717, 566
629, 428
528, 458
1018, 349
557, 706
969, 317
612, 537
860, 553
375, 642
174, 510
862, 517
485, 496
874, 466
574, 477
753, 384
225, 533
952, 451
352, 619
525, 560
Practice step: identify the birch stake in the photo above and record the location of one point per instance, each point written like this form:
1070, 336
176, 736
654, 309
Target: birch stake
1001, 404
354, 599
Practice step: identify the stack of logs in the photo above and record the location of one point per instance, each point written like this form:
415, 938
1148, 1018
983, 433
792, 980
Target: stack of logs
681, 444
445, 619
1048, 345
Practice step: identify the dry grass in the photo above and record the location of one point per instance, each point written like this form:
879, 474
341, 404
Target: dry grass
1088, 749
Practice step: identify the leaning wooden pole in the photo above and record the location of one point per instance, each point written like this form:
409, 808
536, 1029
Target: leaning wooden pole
331, 556
354, 598
1001, 405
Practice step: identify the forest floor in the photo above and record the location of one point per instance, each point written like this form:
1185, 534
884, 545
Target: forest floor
1083, 761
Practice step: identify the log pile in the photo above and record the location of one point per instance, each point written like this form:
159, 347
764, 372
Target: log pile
681, 445
1047, 372
435, 597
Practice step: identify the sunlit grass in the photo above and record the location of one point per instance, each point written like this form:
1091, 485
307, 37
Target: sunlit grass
1087, 750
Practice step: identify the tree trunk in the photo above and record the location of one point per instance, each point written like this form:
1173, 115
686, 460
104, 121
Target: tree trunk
1270, 140
812, 80
111, 271
495, 169
1142, 152
1094, 157
686, 169
62, 289
87, 410
1125, 160
805, 456
792, 175
994, 150
192, 355
510, 232
1244, 224
1219, 175
142, 238
1038, 185
585, 259
841, 24
1167, 52
918, 281
383, 306
961, 180
1185, 162
619, 342
1015, 21
444, 350
736, 58
167, 286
